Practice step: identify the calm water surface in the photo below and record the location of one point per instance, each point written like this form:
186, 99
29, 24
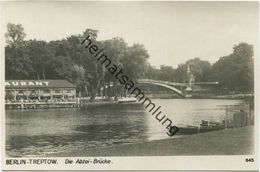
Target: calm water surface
39, 132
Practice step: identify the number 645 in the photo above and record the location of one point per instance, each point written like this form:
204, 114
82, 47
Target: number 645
249, 159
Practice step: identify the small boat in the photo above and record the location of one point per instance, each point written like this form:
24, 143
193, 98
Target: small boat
188, 130
211, 124
127, 100
205, 126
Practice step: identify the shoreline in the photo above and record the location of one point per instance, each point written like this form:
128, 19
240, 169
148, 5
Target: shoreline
204, 96
97, 103
232, 141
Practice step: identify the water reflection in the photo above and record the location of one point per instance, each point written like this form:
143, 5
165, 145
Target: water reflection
38, 132
35, 133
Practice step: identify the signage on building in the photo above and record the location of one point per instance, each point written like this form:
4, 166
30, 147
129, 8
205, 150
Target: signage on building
26, 83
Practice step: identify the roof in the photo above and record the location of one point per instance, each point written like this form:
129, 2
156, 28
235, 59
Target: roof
38, 84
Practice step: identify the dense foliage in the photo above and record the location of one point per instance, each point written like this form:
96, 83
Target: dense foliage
234, 72
67, 59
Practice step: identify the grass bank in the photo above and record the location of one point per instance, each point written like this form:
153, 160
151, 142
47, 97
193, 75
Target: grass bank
234, 141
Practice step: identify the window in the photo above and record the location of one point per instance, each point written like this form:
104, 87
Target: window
57, 91
46, 91
21, 91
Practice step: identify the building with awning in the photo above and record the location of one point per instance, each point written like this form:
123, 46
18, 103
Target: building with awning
39, 89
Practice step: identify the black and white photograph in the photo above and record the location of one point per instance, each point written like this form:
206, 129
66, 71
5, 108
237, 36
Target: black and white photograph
93, 80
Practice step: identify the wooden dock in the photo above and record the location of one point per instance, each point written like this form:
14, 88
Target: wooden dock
52, 105
40, 105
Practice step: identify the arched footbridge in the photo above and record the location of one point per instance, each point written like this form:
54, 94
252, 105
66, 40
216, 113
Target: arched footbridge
178, 88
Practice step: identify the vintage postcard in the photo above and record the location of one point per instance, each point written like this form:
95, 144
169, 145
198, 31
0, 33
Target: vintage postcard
129, 85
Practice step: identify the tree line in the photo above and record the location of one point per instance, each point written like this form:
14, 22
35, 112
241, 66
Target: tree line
234, 72
67, 59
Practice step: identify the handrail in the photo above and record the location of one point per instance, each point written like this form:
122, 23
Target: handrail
177, 83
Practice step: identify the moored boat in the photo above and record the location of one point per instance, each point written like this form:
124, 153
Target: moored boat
205, 126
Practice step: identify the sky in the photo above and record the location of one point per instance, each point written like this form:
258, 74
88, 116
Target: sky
172, 32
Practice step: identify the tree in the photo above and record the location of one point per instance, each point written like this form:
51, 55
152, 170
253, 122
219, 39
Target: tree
15, 34
134, 61
68, 59
180, 74
167, 73
151, 72
94, 72
62, 67
115, 49
236, 71
18, 64
200, 69
41, 57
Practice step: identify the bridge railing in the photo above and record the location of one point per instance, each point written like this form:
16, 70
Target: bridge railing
164, 82
178, 84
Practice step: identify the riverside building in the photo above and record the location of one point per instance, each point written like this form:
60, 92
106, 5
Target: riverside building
39, 89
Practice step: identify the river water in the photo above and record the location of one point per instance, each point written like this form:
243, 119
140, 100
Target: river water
31, 133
